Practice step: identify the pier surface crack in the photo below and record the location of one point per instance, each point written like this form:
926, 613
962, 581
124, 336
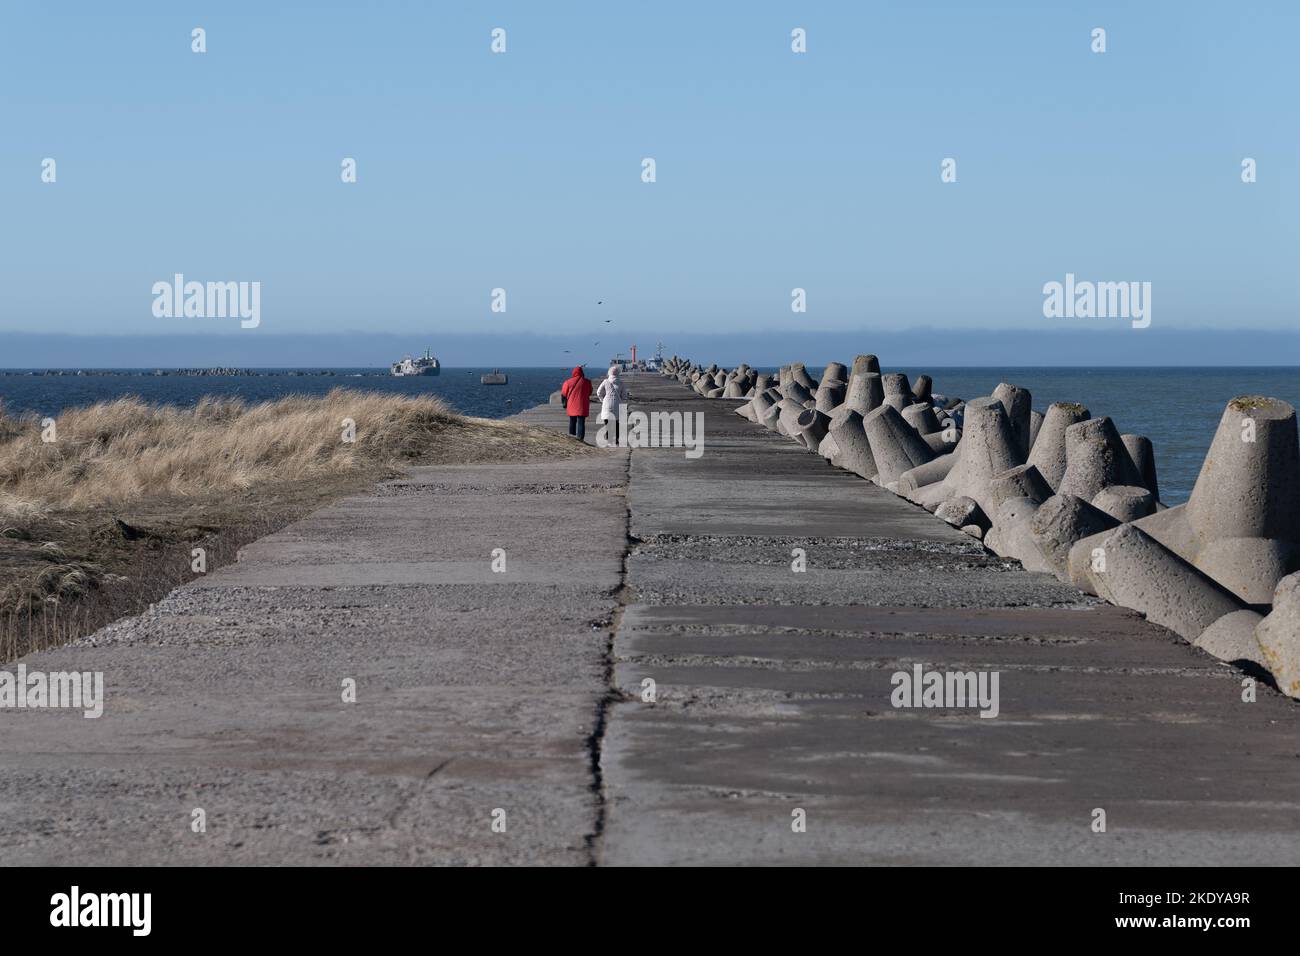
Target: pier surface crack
622, 596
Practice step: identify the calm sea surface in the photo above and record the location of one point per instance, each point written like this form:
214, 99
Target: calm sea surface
1177, 408
48, 394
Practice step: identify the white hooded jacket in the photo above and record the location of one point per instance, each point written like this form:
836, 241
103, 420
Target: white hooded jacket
612, 394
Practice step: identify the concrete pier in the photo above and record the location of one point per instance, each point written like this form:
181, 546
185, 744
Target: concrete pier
525, 691
475, 690
773, 689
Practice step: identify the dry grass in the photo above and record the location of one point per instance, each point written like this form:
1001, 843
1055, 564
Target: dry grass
100, 522
115, 453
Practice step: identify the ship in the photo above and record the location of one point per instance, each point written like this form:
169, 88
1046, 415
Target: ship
426, 364
494, 377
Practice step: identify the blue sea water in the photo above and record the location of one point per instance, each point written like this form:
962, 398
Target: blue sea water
49, 394
1177, 408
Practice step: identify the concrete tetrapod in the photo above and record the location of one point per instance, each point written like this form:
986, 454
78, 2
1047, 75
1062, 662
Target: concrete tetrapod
772, 417
923, 484
1244, 507
1048, 452
898, 392
922, 418
864, 394
1018, 403
1095, 458
944, 441
835, 372
1278, 636
830, 395
1060, 522
1011, 535
1242, 532
758, 406
1143, 457
987, 448
1022, 481
895, 445
813, 425
1125, 502
853, 450
1086, 556
1035, 425
1136, 571
863, 364
923, 390
962, 512
796, 392
800, 374
788, 423
1232, 638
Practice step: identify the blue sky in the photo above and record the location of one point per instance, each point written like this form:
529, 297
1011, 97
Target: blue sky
522, 170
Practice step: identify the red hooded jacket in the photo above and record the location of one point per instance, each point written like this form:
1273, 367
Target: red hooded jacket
577, 393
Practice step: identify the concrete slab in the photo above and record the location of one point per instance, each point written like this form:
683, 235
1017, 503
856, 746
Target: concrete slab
773, 690
475, 691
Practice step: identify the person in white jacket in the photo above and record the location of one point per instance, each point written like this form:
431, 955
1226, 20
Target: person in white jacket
612, 394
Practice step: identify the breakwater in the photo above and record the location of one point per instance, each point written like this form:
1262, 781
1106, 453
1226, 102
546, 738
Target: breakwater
1067, 494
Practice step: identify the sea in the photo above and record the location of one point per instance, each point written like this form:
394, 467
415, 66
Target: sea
1177, 408
45, 394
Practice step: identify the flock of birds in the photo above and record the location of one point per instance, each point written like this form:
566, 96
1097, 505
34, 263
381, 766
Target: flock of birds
593, 344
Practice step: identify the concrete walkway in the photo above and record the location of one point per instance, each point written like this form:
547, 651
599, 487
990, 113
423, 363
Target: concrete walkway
522, 691
773, 689
475, 691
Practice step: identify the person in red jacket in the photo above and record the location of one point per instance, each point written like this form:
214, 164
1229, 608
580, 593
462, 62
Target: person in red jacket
576, 392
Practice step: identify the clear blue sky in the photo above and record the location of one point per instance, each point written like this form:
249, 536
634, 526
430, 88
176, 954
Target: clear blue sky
522, 170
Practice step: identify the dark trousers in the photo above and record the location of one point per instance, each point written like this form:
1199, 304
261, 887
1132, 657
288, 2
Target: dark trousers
578, 426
